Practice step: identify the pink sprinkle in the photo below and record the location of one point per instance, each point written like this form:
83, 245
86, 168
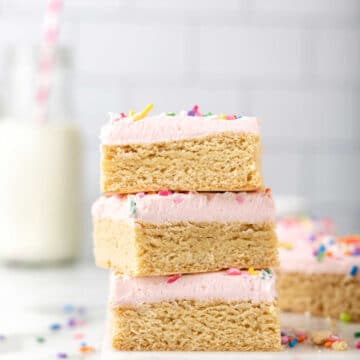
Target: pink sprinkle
233, 271
123, 115
164, 192
358, 345
78, 336
284, 340
119, 196
140, 195
239, 199
178, 200
116, 120
173, 278
333, 338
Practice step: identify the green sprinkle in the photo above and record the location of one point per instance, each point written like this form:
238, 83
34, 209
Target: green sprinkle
40, 339
357, 334
268, 271
208, 114
345, 317
320, 256
170, 114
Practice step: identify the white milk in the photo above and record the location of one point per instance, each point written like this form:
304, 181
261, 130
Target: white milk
39, 192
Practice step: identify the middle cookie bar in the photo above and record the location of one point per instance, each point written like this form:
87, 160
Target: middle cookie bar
172, 233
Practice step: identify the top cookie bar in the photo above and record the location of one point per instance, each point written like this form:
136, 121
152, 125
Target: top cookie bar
184, 152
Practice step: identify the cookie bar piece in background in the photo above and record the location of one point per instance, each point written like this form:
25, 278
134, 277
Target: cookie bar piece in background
318, 273
171, 233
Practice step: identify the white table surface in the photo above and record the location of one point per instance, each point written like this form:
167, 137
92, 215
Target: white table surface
33, 299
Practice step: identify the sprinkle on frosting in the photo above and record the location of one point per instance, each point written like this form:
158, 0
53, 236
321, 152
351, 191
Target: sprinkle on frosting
173, 278
233, 271
313, 248
143, 113
252, 271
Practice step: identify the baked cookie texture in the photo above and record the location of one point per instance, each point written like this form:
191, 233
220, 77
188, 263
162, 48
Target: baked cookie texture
189, 325
223, 162
204, 312
141, 249
184, 233
319, 271
324, 295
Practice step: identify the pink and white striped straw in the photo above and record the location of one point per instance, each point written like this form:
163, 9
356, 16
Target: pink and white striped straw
47, 58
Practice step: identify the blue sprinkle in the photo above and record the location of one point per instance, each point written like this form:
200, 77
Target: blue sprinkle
239, 117
293, 342
322, 248
354, 270
68, 308
55, 327
191, 113
2, 337
83, 343
61, 355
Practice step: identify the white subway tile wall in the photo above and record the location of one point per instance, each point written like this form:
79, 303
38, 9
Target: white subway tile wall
293, 63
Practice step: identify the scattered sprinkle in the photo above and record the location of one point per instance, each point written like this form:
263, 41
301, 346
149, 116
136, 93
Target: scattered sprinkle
71, 322
68, 308
78, 336
164, 192
173, 278
284, 340
140, 195
358, 345
233, 271
357, 334
131, 112
293, 342
123, 115
354, 270
239, 199
61, 355
2, 337
170, 114
55, 327
345, 317
86, 349
40, 339
83, 343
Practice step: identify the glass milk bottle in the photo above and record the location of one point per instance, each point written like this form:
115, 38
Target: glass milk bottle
40, 186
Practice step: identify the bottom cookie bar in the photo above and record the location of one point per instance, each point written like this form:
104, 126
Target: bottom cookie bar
202, 312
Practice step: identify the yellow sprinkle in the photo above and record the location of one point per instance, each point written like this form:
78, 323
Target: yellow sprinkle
285, 245
252, 271
222, 116
143, 113
132, 112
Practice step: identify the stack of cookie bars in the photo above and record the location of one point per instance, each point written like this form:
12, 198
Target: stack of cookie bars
188, 231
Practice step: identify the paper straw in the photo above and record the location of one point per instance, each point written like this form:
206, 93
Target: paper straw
47, 58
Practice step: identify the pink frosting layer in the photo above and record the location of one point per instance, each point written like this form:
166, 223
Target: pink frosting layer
170, 128
304, 238
125, 290
221, 207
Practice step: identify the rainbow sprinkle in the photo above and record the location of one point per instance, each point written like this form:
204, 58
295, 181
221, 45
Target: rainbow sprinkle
173, 278
194, 111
